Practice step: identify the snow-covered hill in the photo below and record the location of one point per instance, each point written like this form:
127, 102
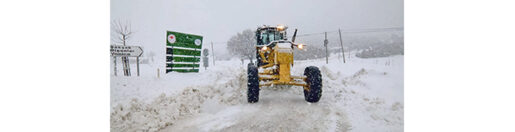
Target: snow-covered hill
360, 95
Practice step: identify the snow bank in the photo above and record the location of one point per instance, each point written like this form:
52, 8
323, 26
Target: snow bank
360, 95
161, 111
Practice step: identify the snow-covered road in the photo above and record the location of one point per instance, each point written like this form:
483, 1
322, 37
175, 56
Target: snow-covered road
361, 95
279, 109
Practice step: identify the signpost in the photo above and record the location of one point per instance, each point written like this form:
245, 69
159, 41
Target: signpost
205, 59
183, 52
325, 45
126, 51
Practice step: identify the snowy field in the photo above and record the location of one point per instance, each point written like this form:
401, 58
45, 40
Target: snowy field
362, 95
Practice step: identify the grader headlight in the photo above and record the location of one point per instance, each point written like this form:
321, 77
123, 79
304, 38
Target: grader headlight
281, 27
300, 46
264, 48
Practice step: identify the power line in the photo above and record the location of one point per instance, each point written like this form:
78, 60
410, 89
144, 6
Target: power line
344, 31
311, 34
362, 30
373, 30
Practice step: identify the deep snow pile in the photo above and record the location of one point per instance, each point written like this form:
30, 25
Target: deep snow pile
361, 95
142, 113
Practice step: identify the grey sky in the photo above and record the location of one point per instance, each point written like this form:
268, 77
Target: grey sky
218, 20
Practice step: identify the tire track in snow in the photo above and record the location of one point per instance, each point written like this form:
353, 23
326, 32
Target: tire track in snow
279, 109
223, 107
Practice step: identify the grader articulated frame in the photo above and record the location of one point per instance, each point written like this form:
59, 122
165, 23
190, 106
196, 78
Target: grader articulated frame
274, 55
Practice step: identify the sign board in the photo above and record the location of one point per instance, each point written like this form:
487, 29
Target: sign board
205, 59
183, 52
126, 51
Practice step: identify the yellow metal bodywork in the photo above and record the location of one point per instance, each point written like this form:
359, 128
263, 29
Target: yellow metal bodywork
282, 59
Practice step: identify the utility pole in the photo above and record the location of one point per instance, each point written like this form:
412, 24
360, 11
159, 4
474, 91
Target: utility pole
326, 53
212, 50
157, 72
114, 60
341, 44
137, 64
126, 65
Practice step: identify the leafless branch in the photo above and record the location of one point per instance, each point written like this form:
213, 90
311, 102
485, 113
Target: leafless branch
120, 32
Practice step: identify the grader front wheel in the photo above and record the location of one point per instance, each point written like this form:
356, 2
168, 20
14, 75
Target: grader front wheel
252, 84
314, 81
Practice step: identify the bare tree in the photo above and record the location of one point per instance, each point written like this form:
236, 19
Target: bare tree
120, 33
242, 45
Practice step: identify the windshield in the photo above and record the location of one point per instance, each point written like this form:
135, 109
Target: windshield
269, 36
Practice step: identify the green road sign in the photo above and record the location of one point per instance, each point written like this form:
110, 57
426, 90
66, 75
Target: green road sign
182, 52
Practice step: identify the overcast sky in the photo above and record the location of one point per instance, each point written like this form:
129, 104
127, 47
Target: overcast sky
218, 20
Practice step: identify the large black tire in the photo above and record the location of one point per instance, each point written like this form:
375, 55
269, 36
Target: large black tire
251, 63
252, 84
314, 82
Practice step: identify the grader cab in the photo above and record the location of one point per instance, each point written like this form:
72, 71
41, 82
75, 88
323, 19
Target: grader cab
274, 56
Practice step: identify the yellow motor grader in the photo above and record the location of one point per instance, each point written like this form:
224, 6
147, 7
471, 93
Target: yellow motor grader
274, 56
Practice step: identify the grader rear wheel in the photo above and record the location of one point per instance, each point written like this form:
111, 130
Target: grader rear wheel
314, 82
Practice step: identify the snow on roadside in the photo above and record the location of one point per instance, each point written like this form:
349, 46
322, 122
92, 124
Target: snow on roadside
182, 97
361, 95
371, 91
